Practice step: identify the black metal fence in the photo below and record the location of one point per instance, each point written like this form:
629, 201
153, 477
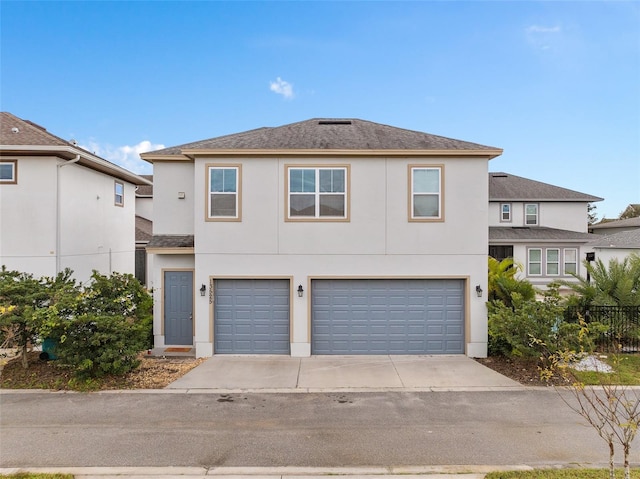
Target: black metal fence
623, 324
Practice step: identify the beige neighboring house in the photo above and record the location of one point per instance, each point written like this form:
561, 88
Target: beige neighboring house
327, 236
62, 206
543, 227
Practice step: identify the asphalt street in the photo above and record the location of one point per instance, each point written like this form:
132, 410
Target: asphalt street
532, 427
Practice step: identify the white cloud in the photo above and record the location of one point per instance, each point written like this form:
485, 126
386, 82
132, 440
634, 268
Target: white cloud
542, 37
282, 87
126, 156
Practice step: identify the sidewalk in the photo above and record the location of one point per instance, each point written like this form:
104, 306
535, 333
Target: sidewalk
226, 373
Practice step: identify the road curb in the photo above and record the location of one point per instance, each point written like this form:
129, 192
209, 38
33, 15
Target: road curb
289, 472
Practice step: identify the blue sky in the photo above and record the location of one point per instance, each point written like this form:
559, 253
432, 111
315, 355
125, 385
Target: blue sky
555, 84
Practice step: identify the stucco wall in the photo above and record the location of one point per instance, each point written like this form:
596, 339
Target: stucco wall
560, 215
92, 233
173, 215
28, 218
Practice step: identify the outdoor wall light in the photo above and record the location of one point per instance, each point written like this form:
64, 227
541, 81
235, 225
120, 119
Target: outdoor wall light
203, 289
479, 291
300, 291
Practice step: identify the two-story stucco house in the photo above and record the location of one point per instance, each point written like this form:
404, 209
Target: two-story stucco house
61, 206
321, 237
543, 227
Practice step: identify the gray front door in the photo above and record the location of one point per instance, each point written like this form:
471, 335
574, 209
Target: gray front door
387, 316
251, 316
178, 307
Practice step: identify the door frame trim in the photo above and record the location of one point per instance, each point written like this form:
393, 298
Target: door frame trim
193, 299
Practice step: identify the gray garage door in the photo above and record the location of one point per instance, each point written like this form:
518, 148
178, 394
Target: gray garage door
251, 316
387, 316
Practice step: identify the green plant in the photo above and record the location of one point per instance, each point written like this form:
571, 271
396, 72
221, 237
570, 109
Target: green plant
529, 328
502, 282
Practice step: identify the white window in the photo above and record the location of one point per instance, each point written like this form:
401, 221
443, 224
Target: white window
553, 261
531, 214
223, 190
505, 212
570, 261
118, 194
535, 262
8, 171
317, 193
426, 193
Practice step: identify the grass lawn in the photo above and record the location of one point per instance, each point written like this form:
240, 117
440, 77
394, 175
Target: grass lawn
561, 474
626, 367
30, 475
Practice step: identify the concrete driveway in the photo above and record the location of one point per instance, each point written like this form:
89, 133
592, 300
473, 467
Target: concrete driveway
226, 373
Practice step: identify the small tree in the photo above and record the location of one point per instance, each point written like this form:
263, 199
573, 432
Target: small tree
502, 282
22, 297
612, 409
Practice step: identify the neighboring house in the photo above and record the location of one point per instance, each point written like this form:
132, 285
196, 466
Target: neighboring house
616, 245
321, 237
61, 206
144, 226
616, 226
541, 226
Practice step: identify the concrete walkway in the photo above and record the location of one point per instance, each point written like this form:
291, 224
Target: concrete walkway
342, 373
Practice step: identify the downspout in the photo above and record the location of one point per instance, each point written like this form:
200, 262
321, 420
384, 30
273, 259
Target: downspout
58, 208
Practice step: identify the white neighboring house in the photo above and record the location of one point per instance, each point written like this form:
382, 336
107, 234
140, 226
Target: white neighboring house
616, 239
61, 206
543, 227
327, 236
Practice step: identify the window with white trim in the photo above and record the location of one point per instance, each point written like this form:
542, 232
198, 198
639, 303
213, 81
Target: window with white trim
8, 171
505, 212
317, 193
223, 191
553, 261
118, 193
534, 261
570, 261
426, 193
531, 214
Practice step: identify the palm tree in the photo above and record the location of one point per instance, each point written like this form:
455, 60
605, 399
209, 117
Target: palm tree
615, 284
503, 282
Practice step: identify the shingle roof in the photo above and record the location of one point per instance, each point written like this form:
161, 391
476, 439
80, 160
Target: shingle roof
328, 134
508, 187
537, 233
171, 241
622, 240
628, 223
145, 190
144, 229
19, 137
28, 133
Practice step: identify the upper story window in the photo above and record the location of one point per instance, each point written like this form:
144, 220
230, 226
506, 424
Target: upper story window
531, 214
223, 191
8, 171
118, 199
426, 193
505, 212
317, 193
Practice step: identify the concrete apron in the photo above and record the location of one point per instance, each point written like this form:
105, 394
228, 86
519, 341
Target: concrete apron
267, 373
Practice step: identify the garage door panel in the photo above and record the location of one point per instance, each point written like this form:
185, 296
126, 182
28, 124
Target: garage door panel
251, 316
387, 316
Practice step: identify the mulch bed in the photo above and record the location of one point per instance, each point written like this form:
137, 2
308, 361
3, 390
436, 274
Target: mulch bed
524, 371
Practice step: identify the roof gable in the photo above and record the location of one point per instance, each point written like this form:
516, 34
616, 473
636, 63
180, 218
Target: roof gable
328, 134
508, 187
